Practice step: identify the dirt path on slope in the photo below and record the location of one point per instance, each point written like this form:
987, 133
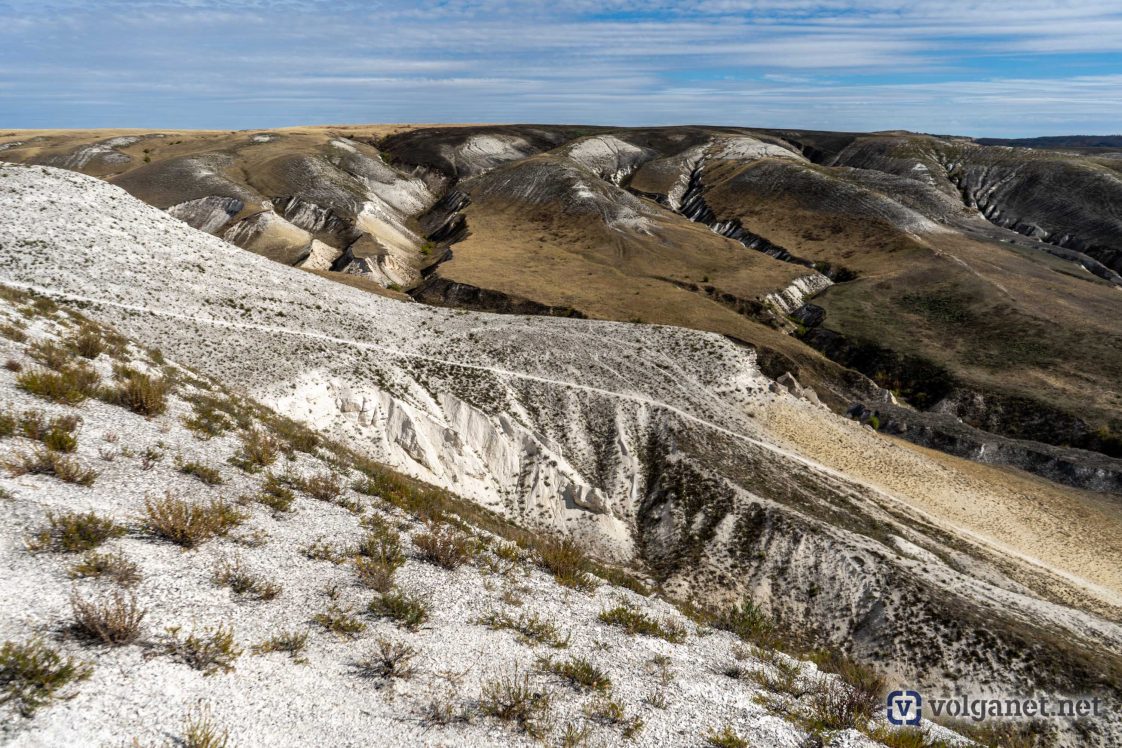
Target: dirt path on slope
1075, 534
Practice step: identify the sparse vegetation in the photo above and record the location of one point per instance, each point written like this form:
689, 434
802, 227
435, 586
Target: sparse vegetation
73, 532
408, 611
113, 620
205, 473
636, 622
188, 524
275, 495
259, 450
578, 672
567, 562
444, 546
510, 697
608, 711
44, 461
200, 730
138, 392
292, 643
69, 386
341, 621
232, 573
211, 651
391, 659
113, 566
324, 486
726, 737
531, 628
33, 675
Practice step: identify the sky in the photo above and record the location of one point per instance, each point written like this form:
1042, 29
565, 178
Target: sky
997, 69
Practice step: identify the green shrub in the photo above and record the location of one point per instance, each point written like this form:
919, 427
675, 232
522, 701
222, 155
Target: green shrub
444, 546
407, 610
567, 562
32, 675
511, 698
579, 673
725, 738
199, 728
73, 532
275, 495
391, 660
87, 343
70, 386
232, 573
291, 643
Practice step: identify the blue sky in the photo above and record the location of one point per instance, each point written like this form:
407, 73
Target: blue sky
974, 68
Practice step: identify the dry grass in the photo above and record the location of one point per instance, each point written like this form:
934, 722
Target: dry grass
205, 473
113, 620
292, 643
201, 731
608, 711
73, 532
233, 573
341, 621
636, 622
531, 628
444, 546
112, 566
275, 495
578, 673
726, 737
56, 433
33, 675
511, 698
324, 487
87, 343
391, 659
44, 461
187, 524
212, 651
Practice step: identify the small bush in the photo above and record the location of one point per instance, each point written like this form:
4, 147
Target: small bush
725, 738
390, 660
13, 365
233, 574
444, 546
324, 550
837, 705
607, 711
275, 495
325, 486
112, 566
211, 651
212, 416
200, 730
138, 392
56, 433
51, 354
511, 698
187, 524
11, 332
70, 386
73, 533
341, 621
579, 673
567, 562
291, 643
204, 473
635, 622
87, 343
45, 461
748, 622
259, 450
379, 558
532, 629
375, 574
114, 620
407, 610
32, 675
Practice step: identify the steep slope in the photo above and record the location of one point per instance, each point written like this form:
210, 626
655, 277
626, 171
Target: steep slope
654, 445
338, 601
